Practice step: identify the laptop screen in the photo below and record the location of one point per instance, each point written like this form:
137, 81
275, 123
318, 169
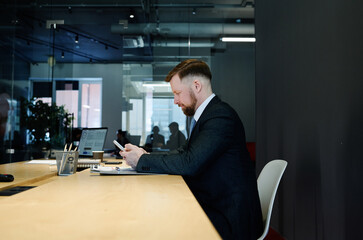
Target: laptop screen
92, 139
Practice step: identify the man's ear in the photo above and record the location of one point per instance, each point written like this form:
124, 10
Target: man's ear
197, 85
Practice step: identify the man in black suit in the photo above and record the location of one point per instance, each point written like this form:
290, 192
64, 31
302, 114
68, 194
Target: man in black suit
214, 162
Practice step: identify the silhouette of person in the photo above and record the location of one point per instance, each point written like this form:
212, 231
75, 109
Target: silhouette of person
155, 139
177, 138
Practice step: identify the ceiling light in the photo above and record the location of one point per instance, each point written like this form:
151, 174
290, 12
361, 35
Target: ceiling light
62, 54
131, 13
76, 39
194, 11
238, 39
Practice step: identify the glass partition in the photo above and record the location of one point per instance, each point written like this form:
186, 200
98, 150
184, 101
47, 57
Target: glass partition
66, 66
149, 103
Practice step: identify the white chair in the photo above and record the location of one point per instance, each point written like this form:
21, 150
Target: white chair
267, 183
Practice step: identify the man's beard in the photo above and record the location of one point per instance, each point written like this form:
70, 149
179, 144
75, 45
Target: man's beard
190, 110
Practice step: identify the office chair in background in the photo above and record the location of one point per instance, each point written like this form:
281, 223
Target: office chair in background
267, 183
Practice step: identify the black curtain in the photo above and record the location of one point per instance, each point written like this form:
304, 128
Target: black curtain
309, 111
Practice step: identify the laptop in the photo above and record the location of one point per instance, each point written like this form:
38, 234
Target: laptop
92, 139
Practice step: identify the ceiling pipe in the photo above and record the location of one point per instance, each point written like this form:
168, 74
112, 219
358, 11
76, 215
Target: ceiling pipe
197, 43
136, 5
201, 30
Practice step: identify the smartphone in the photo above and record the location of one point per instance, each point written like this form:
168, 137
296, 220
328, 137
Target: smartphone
118, 145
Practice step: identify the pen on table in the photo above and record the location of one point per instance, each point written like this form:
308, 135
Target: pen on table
64, 156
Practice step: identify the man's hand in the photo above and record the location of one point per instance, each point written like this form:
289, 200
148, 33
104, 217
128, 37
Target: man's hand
132, 154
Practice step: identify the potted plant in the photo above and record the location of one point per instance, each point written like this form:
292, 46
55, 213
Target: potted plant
48, 125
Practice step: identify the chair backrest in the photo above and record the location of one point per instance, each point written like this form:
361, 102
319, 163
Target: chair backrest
268, 182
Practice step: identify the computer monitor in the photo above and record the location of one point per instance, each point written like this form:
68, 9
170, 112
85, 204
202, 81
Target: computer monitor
134, 139
92, 139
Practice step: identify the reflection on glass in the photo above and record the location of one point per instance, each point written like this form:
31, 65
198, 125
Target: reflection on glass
111, 67
148, 103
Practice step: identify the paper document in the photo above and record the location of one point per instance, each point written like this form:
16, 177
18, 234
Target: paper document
118, 170
89, 161
47, 162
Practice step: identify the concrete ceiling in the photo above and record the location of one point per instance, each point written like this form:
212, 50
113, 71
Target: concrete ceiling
160, 31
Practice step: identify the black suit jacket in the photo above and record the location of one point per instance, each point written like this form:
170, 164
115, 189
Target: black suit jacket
216, 166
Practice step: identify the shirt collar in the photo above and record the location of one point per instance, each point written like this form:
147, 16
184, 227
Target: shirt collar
202, 106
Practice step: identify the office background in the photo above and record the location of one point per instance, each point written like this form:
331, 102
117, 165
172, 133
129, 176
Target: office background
61, 51
297, 89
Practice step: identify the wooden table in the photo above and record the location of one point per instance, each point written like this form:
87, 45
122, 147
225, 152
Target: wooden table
27, 174
90, 206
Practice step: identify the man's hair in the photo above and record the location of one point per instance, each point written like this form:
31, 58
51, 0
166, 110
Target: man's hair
190, 67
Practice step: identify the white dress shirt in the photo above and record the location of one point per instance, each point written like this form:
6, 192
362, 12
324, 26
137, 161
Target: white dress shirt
202, 106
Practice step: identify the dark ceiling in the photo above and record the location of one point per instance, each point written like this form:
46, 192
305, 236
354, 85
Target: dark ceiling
161, 30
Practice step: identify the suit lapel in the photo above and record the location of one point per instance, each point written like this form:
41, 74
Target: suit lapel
195, 131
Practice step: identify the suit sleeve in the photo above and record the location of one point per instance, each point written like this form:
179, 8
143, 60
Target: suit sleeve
211, 138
